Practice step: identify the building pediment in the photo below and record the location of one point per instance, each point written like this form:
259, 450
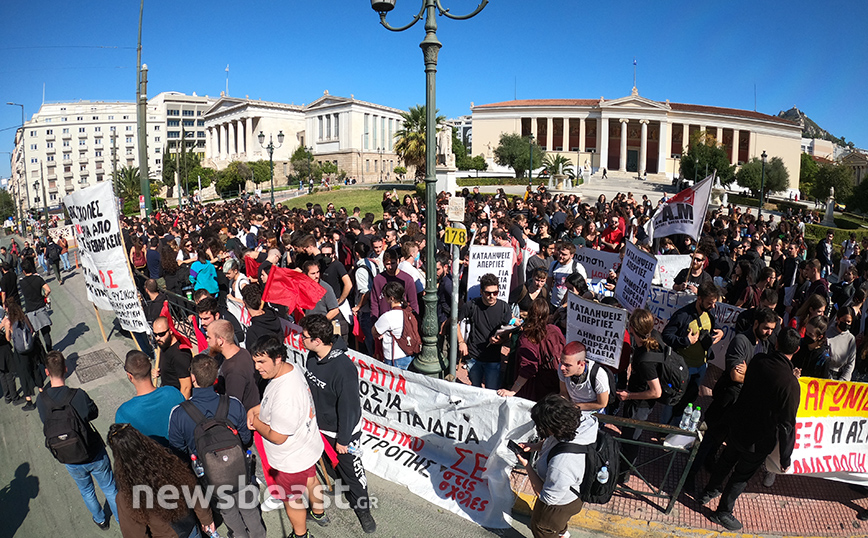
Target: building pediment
855, 158
224, 104
634, 101
327, 101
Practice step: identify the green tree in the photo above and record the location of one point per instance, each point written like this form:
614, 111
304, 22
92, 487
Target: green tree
400, 171
478, 163
553, 164
704, 153
233, 178
329, 168
750, 176
261, 171
514, 151
833, 175
808, 169
302, 162
189, 168
462, 156
410, 139
7, 206
126, 182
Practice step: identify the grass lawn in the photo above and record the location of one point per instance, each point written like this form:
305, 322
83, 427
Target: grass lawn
368, 199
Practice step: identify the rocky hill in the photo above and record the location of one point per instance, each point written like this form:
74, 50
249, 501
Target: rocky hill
809, 128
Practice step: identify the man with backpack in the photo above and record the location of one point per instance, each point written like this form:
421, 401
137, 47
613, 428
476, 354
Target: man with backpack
334, 384
66, 414
52, 255
214, 428
585, 383
690, 333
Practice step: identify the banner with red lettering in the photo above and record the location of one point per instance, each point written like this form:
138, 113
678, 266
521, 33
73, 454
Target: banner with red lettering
831, 432
684, 213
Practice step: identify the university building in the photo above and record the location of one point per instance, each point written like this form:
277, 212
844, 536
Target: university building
634, 134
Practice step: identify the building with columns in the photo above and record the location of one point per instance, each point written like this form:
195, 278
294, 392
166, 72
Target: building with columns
355, 135
634, 134
857, 161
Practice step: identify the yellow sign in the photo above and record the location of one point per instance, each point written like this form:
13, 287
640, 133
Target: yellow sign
455, 236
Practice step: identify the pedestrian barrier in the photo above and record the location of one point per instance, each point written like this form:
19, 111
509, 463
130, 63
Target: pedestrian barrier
654, 488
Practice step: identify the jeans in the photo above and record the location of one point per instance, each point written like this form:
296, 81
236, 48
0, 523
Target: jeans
42, 262
403, 363
484, 372
743, 465
366, 324
101, 470
64, 258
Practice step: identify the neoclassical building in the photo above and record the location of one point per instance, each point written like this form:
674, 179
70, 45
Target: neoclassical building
634, 133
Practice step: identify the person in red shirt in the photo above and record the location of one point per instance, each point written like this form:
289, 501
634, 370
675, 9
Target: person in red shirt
613, 235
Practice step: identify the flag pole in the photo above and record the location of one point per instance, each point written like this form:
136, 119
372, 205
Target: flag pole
99, 321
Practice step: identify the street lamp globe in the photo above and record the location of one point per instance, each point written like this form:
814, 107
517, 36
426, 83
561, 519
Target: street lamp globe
383, 6
279, 137
261, 137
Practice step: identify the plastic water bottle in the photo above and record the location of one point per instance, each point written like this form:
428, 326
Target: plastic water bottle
686, 416
355, 451
695, 418
215, 534
197, 467
603, 475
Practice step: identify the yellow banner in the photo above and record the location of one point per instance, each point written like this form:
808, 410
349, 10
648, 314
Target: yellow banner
830, 398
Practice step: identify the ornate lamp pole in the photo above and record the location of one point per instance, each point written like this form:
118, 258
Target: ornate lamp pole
428, 361
762, 184
21, 225
270, 149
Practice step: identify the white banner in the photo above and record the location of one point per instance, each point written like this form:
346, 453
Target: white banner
663, 303
668, 267
597, 263
107, 275
684, 213
494, 260
600, 327
635, 278
67, 232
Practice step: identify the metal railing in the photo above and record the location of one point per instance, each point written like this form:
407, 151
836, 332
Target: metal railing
655, 488
180, 307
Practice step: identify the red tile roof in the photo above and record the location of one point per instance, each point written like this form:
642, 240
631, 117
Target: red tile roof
680, 107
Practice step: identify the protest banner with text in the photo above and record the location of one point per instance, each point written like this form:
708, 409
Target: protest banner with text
597, 263
494, 260
684, 213
635, 278
668, 267
600, 327
107, 275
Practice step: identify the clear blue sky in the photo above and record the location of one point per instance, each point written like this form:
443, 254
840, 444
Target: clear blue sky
808, 54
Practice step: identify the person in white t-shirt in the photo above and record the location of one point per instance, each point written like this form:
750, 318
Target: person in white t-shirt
565, 265
286, 420
409, 255
589, 395
390, 326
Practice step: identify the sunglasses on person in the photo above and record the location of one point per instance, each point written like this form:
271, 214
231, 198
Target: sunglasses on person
490, 293
162, 334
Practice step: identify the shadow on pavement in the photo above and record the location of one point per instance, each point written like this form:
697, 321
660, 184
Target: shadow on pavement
71, 336
15, 499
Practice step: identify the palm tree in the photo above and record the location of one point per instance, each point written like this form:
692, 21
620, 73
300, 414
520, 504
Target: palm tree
553, 163
127, 185
410, 141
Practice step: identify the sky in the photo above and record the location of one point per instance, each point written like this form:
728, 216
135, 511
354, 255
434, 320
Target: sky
771, 55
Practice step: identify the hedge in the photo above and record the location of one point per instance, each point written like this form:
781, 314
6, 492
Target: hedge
474, 181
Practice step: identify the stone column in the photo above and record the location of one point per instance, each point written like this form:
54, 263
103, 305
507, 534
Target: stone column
224, 142
566, 133
603, 142
643, 147
622, 165
550, 134
533, 130
663, 146
249, 139
582, 133
685, 137
734, 156
230, 127
718, 135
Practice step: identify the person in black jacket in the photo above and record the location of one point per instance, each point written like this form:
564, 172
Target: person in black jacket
765, 414
263, 320
334, 384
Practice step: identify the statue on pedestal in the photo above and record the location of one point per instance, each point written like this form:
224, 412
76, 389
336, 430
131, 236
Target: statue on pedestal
829, 219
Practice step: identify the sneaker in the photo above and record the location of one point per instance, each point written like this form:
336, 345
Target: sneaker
270, 504
367, 521
294, 535
104, 525
321, 519
29, 406
769, 479
707, 496
725, 520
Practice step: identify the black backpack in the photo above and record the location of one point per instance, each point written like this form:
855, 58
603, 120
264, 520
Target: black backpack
603, 453
218, 448
22, 336
67, 436
612, 404
673, 375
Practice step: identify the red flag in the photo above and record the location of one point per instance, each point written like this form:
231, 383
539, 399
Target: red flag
291, 289
185, 342
251, 267
201, 341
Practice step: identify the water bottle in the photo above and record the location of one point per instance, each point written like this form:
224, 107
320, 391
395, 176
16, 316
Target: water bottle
603, 475
695, 418
686, 416
197, 467
355, 451
214, 534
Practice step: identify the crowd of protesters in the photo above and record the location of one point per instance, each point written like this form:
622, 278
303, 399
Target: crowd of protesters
802, 316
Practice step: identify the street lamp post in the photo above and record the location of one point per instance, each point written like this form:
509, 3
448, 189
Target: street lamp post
428, 362
695, 166
21, 226
380, 151
762, 184
309, 169
270, 149
530, 164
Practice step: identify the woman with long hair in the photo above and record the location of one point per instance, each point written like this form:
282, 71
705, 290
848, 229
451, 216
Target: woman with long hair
203, 275
538, 355
175, 276
815, 305
27, 363
137, 256
141, 462
591, 235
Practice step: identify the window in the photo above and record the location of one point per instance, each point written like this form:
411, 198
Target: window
156, 139
97, 129
173, 123
159, 161
172, 112
53, 196
129, 128
200, 123
32, 133
95, 118
98, 142
67, 169
79, 118
198, 113
81, 129
99, 166
66, 130
63, 119
374, 144
173, 134
113, 128
129, 151
99, 177
382, 132
187, 113
328, 127
391, 136
129, 140
337, 129
49, 144
66, 143
97, 153
111, 117
156, 127
200, 134
33, 146
82, 168
82, 142
189, 123
126, 117
50, 158
67, 156
49, 132
34, 160
367, 165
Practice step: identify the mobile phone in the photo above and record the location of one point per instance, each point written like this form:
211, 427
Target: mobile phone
512, 445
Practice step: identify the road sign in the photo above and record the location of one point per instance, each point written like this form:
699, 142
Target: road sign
455, 212
455, 236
